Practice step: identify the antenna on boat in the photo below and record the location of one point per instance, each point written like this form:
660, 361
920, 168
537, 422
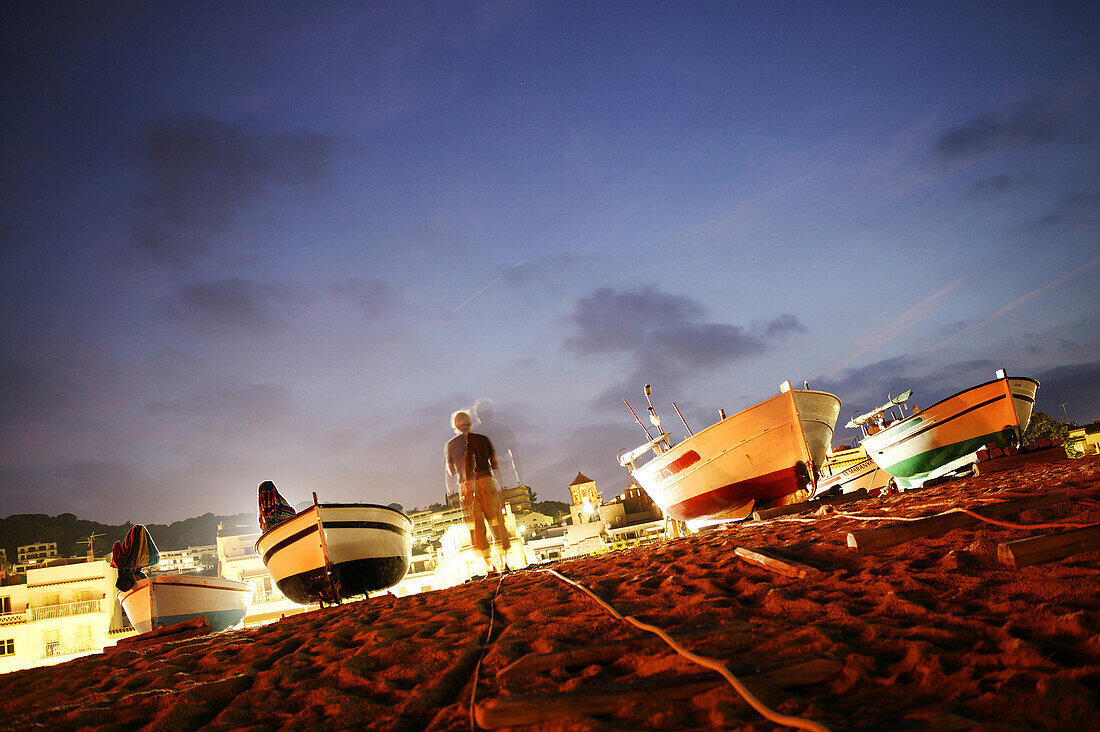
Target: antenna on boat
648, 436
652, 412
690, 433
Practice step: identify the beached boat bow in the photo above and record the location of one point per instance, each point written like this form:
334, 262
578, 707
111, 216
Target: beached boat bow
333, 551
766, 454
946, 436
154, 602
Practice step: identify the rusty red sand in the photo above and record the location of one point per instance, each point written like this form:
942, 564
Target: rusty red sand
933, 633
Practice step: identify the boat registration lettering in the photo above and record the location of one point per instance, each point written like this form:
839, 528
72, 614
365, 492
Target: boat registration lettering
687, 459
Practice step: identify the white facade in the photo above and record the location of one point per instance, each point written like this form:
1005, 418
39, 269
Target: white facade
239, 560
456, 560
182, 561
61, 613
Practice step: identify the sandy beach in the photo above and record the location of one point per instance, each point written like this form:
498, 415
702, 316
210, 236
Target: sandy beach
932, 633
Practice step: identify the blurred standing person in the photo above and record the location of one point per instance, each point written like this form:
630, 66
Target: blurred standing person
470, 457
503, 438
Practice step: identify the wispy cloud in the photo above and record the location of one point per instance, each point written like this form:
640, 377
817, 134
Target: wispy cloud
879, 337
480, 292
1015, 304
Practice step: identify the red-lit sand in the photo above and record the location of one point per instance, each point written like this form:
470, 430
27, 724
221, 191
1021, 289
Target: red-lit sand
932, 634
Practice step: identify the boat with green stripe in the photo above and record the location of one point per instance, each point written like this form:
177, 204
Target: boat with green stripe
946, 436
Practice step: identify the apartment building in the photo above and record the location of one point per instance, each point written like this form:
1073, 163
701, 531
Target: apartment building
183, 561
60, 612
36, 552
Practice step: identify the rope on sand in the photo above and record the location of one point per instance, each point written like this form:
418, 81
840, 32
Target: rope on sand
484, 649
710, 663
968, 512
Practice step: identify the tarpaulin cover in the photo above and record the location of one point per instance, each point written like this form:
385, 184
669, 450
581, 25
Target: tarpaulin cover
273, 507
133, 554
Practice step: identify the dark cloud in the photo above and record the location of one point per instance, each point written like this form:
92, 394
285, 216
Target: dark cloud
1073, 207
664, 335
988, 133
27, 389
232, 303
642, 320
994, 184
1078, 387
200, 173
782, 326
373, 298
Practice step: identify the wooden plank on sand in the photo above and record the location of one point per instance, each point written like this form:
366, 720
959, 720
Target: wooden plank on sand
527, 709
869, 540
604, 653
782, 566
1049, 547
813, 505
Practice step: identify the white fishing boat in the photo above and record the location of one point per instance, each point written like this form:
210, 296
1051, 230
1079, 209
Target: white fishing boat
946, 436
154, 602
847, 471
768, 454
333, 551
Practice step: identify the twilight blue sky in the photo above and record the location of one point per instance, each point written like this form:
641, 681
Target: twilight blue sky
248, 241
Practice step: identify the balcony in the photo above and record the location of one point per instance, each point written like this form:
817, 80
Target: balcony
54, 650
66, 610
13, 618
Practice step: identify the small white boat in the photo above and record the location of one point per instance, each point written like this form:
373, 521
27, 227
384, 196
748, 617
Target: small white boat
946, 436
333, 551
768, 454
154, 602
862, 475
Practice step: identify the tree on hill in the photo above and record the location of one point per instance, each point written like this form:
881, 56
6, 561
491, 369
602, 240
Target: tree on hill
554, 509
68, 532
1043, 425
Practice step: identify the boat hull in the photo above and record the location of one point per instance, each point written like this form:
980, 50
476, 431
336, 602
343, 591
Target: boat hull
864, 475
334, 551
154, 602
947, 435
763, 454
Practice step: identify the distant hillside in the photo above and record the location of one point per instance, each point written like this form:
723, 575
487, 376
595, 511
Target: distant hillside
68, 531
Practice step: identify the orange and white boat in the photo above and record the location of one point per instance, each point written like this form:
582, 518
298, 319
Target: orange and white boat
768, 454
946, 436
